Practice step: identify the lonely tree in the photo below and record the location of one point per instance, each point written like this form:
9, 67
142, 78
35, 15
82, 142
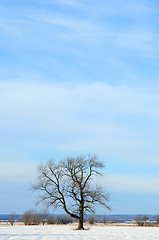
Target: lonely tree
68, 185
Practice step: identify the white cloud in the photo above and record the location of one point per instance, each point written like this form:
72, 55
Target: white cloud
98, 99
17, 171
130, 184
119, 121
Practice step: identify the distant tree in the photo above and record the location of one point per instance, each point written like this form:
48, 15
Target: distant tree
141, 220
104, 220
44, 216
68, 185
12, 218
157, 219
27, 217
145, 218
30, 217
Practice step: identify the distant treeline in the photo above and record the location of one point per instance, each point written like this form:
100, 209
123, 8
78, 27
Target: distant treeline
31, 217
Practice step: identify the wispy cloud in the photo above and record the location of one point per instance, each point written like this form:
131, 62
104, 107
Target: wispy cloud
70, 3
129, 8
92, 31
139, 42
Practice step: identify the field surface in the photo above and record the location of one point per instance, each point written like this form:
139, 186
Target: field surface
68, 233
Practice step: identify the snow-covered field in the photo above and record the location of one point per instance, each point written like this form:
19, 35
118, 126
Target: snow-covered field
67, 233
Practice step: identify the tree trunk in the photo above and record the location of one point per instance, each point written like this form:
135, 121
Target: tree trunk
80, 223
80, 220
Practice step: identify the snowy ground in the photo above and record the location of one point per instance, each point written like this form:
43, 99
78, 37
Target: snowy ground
67, 233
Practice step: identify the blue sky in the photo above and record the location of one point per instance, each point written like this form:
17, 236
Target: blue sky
80, 77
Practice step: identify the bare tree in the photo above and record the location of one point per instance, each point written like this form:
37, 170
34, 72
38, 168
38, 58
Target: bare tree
157, 219
138, 219
68, 185
145, 218
44, 216
12, 218
30, 217
104, 220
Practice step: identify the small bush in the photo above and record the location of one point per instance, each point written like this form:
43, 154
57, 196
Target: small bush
52, 220
59, 220
91, 220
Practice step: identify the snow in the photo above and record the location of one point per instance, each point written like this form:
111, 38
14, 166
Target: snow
53, 232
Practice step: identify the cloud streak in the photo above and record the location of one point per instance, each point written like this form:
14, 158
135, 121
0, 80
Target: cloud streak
84, 30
